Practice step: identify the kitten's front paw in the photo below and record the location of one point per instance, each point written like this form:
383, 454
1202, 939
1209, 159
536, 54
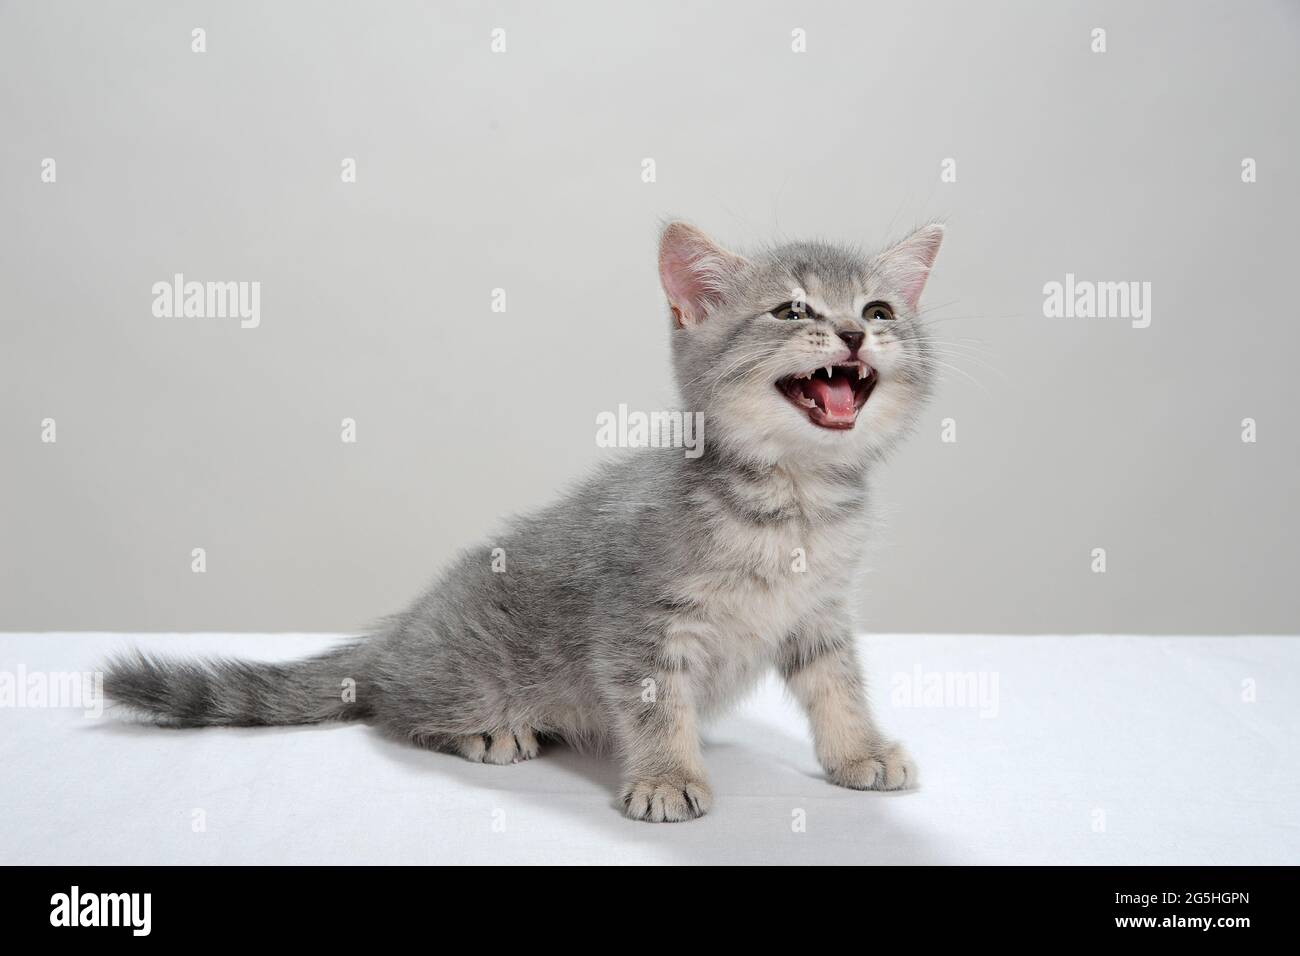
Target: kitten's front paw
886, 767
667, 799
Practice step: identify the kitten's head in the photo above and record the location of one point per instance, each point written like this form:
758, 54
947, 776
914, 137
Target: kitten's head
805, 352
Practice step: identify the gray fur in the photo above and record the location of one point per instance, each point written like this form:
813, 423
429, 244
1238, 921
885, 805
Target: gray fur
656, 592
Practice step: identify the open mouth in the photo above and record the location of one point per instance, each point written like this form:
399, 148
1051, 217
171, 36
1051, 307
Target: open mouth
831, 396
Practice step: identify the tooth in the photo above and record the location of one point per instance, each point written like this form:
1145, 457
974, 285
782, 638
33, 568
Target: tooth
828, 372
862, 372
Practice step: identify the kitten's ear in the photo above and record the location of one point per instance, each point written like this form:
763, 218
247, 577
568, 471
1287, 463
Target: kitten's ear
694, 270
906, 266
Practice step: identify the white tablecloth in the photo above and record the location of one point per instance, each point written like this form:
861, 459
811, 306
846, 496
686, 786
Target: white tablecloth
1095, 749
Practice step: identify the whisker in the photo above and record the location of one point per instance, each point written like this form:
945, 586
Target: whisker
925, 361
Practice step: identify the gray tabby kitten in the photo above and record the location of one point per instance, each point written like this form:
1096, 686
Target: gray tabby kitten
655, 593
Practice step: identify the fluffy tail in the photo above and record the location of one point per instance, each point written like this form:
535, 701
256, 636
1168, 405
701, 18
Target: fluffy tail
232, 693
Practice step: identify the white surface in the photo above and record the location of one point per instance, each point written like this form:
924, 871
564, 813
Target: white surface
1149, 736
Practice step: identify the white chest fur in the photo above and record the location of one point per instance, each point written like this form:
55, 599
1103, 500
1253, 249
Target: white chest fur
752, 582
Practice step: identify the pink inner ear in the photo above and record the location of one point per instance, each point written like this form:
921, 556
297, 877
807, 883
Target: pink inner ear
683, 285
908, 263
692, 269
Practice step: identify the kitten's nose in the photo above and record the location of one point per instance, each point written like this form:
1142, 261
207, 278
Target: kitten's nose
853, 340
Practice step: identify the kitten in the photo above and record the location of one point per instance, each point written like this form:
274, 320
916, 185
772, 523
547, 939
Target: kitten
652, 595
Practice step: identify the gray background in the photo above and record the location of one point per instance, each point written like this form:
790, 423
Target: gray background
522, 171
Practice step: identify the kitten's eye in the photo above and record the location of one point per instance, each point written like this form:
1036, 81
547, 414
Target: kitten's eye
877, 311
793, 310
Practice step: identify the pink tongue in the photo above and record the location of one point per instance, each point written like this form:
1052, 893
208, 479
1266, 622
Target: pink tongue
834, 397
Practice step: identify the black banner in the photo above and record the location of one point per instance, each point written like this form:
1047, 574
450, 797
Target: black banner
1166, 905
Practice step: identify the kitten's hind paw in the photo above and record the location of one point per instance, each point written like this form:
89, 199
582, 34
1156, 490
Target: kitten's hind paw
667, 799
499, 747
886, 768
